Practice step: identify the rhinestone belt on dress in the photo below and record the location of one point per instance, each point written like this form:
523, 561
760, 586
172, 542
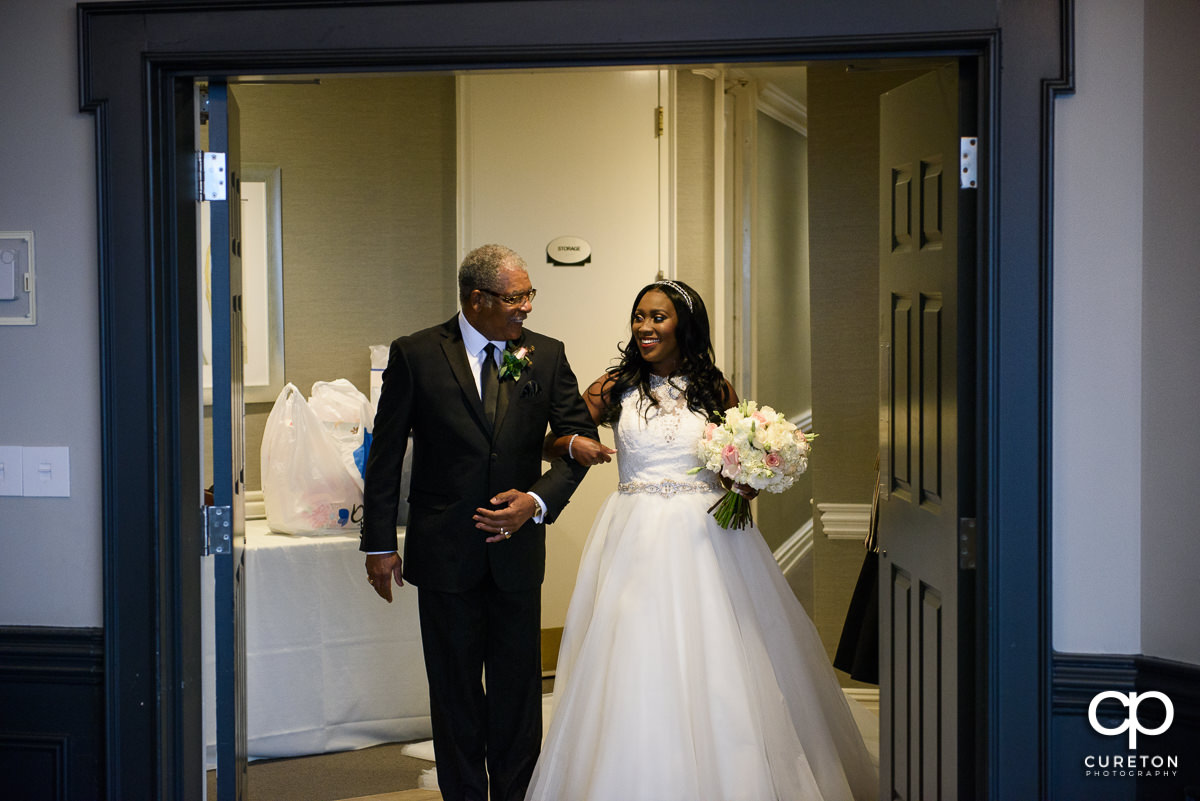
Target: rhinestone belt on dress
667, 487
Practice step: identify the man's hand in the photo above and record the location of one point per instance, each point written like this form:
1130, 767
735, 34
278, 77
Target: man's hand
381, 569
516, 508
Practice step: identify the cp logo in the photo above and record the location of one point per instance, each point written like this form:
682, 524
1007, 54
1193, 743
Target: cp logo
1131, 700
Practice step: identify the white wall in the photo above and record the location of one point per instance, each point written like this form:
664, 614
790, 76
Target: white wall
50, 551
544, 155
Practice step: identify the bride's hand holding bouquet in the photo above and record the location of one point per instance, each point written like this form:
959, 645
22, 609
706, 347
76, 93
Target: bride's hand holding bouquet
753, 448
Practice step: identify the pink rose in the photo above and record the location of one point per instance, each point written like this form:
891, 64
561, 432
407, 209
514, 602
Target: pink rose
729, 456
772, 460
709, 429
760, 417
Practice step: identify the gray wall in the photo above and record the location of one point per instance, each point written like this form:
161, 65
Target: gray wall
369, 194
1126, 445
1170, 449
50, 559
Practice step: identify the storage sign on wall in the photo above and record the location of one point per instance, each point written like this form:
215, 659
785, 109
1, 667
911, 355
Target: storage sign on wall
568, 250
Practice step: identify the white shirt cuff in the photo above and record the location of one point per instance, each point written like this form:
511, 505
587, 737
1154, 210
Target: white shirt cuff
540, 514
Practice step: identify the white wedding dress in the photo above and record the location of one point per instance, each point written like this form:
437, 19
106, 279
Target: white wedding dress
688, 670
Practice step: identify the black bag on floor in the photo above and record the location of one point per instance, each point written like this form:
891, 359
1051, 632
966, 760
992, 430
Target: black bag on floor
858, 649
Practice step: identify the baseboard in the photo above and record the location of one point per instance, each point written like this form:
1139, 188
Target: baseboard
867, 696
52, 726
795, 548
1086, 763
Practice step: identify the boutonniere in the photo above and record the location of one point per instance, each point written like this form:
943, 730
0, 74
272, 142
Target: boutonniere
514, 361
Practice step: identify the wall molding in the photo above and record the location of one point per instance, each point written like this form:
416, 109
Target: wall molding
783, 108
867, 696
795, 548
845, 521
39, 653
52, 727
802, 421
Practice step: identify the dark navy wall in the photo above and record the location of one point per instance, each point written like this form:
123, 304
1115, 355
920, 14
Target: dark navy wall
51, 714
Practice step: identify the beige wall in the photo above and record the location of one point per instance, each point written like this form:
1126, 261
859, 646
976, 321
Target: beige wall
843, 157
694, 183
368, 174
783, 377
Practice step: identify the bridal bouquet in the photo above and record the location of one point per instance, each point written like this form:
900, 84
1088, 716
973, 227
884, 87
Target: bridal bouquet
756, 447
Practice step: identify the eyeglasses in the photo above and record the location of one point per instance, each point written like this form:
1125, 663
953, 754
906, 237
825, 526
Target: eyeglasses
513, 300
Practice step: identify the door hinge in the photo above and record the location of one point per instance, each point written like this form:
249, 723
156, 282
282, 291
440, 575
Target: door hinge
218, 529
210, 175
966, 543
967, 168
658, 122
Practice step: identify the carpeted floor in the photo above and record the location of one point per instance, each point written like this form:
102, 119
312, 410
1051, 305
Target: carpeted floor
367, 773
385, 773
406, 795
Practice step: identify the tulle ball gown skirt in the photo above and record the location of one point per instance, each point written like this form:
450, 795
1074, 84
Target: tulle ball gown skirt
689, 671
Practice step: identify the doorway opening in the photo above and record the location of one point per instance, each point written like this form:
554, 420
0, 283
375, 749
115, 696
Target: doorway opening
764, 195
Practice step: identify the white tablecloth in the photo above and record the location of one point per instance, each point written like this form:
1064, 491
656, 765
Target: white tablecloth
330, 665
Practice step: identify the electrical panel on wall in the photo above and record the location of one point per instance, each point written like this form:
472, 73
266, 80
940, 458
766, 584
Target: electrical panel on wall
17, 304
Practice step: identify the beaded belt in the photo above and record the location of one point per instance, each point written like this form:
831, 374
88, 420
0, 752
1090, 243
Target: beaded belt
667, 487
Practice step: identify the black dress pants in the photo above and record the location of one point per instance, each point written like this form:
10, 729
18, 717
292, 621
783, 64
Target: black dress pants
484, 636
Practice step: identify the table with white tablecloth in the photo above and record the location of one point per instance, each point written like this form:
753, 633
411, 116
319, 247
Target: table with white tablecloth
330, 666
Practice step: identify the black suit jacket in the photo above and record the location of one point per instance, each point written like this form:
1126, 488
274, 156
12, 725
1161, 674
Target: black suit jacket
460, 462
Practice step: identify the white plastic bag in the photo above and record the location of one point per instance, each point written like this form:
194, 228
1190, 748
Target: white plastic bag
348, 417
306, 486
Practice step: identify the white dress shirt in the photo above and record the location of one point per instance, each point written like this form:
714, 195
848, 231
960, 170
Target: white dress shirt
476, 344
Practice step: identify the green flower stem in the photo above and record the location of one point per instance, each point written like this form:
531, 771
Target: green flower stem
732, 511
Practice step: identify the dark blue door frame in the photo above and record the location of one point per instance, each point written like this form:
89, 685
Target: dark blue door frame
136, 59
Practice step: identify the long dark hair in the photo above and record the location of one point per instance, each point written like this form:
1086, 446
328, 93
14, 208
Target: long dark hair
706, 387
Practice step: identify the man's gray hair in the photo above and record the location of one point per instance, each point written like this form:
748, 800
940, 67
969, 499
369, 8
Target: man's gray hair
481, 269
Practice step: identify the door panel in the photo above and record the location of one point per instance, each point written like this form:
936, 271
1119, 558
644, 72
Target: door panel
544, 154
229, 457
919, 728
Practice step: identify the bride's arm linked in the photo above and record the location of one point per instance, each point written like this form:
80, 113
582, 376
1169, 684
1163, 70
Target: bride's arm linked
584, 450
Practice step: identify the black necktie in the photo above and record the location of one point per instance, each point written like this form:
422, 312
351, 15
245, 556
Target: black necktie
489, 383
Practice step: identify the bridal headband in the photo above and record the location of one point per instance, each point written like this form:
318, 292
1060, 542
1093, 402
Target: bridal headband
686, 297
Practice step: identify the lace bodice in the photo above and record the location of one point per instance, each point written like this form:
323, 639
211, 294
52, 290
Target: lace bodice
656, 445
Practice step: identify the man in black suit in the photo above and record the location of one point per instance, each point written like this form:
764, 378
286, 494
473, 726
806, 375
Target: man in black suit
477, 394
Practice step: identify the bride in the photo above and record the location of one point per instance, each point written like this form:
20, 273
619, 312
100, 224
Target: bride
688, 670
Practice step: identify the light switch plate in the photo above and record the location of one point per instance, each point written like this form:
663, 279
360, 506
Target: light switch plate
47, 472
11, 470
18, 287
